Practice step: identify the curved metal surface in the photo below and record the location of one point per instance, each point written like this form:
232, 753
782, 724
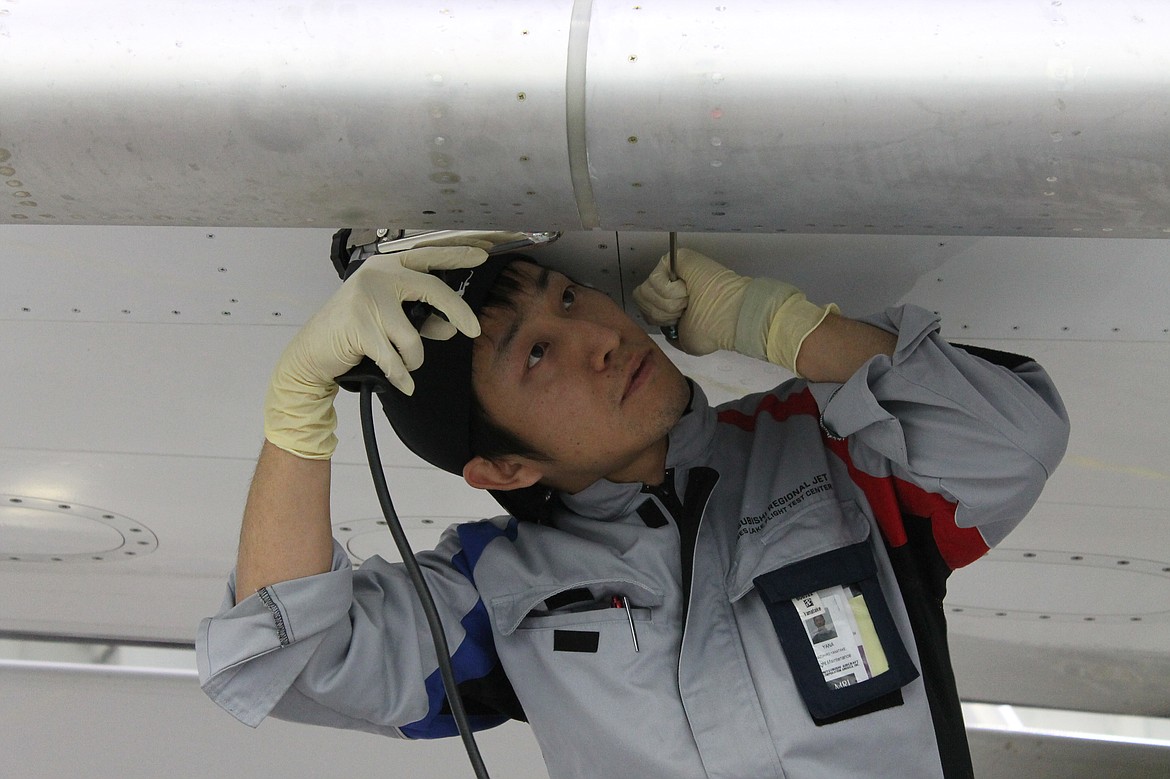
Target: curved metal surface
278, 114
1010, 117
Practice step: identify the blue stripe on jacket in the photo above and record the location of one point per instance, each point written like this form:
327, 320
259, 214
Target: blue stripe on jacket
476, 655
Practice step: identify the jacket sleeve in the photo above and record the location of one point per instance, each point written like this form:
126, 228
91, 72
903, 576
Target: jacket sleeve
350, 648
963, 439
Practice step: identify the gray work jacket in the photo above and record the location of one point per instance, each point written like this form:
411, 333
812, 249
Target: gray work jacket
864, 494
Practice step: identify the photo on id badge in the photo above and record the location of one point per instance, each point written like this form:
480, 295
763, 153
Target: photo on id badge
838, 625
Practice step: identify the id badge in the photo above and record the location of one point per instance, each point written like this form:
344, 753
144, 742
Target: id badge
838, 636
840, 631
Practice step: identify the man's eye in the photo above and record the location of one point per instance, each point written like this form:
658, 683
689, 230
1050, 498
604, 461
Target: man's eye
568, 298
535, 355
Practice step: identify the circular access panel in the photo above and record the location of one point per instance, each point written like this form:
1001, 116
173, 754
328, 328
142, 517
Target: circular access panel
52, 531
1059, 586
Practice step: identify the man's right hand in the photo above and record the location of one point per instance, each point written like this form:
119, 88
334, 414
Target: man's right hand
364, 318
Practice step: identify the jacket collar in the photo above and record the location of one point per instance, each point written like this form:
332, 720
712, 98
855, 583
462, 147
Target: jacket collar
688, 441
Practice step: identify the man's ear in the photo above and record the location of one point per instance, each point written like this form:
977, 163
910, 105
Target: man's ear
505, 473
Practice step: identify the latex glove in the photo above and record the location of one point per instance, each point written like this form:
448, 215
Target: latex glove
363, 318
716, 308
435, 327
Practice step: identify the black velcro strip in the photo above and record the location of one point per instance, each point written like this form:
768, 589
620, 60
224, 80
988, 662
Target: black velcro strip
568, 598
1004, 359
651, 514
575, 640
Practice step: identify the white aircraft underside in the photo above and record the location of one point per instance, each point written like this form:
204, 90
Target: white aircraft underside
172, 175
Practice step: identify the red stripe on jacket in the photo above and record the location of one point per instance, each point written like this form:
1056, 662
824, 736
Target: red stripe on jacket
890, 498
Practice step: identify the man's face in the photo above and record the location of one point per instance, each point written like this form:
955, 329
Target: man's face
569, 373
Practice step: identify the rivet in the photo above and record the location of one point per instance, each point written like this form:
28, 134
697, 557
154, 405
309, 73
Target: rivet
632, 139
633, 58
521, 96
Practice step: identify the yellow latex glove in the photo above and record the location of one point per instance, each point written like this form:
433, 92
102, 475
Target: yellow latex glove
363, 318
716, 308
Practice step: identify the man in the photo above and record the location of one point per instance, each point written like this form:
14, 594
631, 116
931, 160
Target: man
645, 607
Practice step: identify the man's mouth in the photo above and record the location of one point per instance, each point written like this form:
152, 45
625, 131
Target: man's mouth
639, 375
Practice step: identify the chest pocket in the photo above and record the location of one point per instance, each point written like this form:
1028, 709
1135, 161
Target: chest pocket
838, 635
573, 617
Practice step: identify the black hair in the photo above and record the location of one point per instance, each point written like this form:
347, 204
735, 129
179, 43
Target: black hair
488, 439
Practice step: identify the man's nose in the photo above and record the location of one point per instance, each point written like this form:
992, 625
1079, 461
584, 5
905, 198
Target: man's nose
601, 343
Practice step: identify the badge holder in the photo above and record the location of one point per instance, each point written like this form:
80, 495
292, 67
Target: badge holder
837, 633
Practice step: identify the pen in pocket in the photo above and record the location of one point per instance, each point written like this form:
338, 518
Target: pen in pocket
622, 602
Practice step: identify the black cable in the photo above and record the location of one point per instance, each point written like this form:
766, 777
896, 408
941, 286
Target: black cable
442, 652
